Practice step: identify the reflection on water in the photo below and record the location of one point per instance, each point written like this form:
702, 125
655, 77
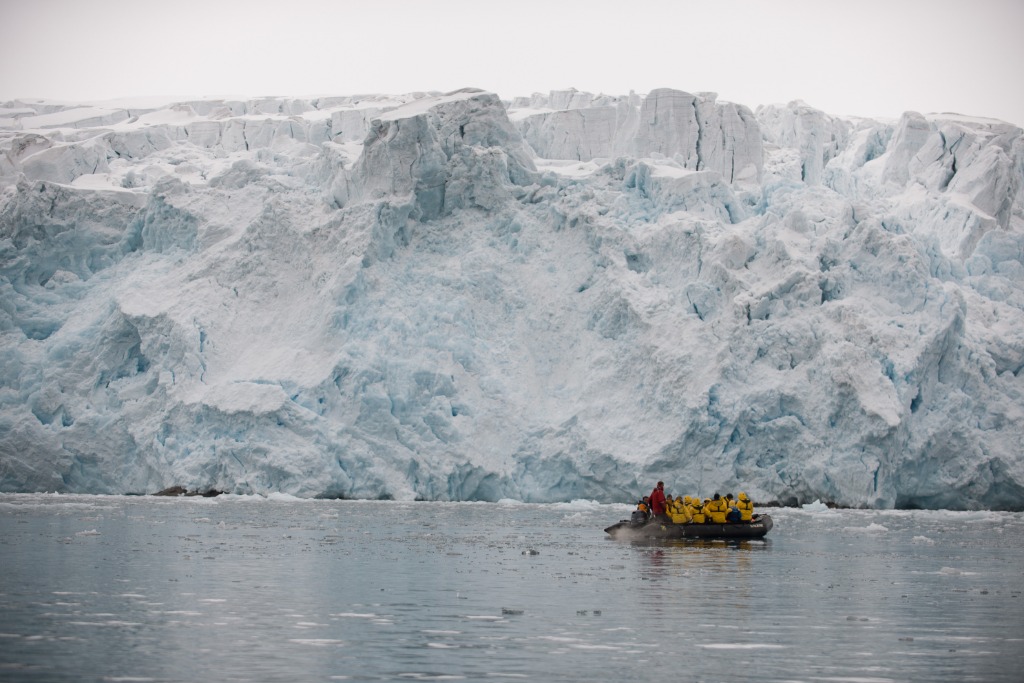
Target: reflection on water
705, 543
244, 589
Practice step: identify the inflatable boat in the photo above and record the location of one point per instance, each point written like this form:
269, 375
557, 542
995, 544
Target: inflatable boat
655, 528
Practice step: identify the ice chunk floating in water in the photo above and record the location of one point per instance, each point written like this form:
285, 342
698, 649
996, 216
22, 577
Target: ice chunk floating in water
450, 297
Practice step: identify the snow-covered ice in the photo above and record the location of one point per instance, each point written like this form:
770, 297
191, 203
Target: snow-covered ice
561, 297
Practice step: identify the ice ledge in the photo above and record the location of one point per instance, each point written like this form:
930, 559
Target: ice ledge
254, 398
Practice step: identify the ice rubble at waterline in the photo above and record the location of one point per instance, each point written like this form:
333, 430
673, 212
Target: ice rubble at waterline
559, 297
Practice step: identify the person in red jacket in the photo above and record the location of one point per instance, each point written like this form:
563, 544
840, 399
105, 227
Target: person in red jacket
658, 500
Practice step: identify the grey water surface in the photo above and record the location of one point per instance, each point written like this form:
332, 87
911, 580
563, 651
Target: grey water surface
99, 588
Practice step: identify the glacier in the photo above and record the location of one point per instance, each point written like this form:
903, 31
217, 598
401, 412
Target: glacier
448, 296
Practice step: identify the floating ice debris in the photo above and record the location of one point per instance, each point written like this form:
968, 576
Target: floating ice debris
816, 506
870, 528
531, 551
90, 532
321, 642
741, 646
952, 571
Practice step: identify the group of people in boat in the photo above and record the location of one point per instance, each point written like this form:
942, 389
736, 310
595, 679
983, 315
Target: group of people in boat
693, 509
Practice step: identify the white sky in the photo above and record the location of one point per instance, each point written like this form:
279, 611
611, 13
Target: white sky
873, 58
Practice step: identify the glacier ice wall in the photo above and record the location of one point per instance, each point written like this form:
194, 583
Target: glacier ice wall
563, 296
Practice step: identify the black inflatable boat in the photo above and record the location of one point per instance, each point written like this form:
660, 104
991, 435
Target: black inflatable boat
654, 528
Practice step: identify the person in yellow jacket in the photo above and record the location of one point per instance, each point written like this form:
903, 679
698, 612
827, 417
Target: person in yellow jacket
717, 510
670, 504
677, 511
746, 507
697, 511
688, 506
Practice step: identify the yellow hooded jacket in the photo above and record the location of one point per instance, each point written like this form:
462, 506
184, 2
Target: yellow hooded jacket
677, 511
746, 507
717, 509
697, 511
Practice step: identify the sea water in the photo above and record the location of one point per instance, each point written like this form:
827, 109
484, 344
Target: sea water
97, 588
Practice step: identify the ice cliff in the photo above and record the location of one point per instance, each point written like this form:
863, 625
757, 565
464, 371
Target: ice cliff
447, 296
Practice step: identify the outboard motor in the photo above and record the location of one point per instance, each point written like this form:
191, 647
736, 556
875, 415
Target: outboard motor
638, 517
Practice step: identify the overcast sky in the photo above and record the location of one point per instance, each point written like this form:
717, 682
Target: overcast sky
873, 58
